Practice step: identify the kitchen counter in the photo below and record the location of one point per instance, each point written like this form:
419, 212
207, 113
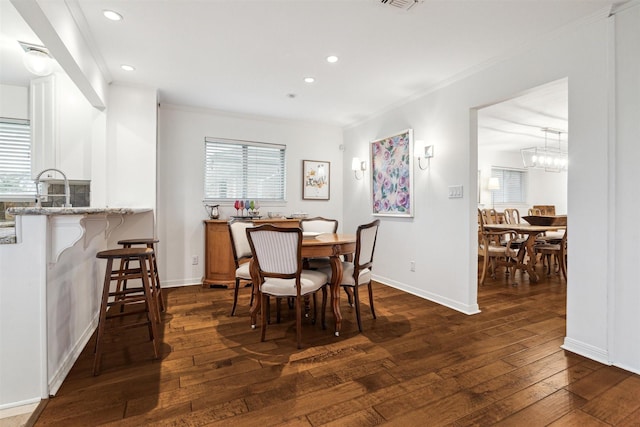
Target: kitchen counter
74, 211
50, 290
8, 229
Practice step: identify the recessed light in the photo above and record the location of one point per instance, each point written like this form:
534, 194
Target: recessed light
110, 14
332, 59
309, 79
128, 67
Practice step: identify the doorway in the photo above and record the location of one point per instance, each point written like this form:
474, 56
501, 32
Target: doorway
507, 132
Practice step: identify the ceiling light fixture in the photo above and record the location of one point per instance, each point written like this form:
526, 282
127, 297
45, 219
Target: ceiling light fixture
37, 59
551, 159
309, 79
111, 15
332, 59
128, 67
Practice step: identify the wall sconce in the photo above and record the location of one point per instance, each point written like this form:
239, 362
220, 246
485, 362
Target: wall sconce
358, 166
423, 152
37, 59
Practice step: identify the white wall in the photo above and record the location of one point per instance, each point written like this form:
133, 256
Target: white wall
129, 166
543, 188
181, 177
441, 237
14, 102
23, 325
624, 290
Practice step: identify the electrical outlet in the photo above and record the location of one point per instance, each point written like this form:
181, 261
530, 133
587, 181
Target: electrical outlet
412, 266
194, 260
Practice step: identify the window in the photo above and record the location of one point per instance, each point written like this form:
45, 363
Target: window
15, 159
244, 170
513, 183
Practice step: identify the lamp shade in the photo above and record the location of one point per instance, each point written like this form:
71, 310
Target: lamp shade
494, 183
38, 62
355, 164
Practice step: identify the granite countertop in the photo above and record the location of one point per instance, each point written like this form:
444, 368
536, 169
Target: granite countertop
74, 211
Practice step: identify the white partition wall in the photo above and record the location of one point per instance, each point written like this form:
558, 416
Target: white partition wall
441, 237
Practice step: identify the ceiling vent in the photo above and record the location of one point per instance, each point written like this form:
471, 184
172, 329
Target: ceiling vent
400, 4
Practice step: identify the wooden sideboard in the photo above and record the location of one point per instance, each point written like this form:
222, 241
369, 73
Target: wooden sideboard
219, 267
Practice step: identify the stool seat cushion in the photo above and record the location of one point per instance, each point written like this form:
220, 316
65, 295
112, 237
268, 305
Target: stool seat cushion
141, 241
125, 253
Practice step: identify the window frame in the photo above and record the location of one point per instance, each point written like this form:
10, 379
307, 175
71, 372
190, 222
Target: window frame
25, 149
247, 164
499, 196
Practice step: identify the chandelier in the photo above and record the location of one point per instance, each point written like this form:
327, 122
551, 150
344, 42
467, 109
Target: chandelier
551, 158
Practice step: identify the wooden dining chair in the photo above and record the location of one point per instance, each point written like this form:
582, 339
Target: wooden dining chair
241, 256
493, 252
511, 216
277, 253
358, 272
557, 252
318, 225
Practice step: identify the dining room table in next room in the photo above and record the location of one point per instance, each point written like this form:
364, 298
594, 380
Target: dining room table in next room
538, 225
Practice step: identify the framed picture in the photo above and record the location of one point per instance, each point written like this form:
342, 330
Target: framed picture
316, 177
392, 175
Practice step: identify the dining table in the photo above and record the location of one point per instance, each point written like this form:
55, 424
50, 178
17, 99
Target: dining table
531, 232
331, 245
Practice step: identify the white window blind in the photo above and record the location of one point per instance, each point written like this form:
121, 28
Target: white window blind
244, 170
15, 159
513, 184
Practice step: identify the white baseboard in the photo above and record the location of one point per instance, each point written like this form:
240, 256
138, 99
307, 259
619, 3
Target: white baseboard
61, 373
19, 408
182, 282
587, 350
455, 305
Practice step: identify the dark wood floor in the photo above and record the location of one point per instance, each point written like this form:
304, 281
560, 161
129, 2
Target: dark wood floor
417, 364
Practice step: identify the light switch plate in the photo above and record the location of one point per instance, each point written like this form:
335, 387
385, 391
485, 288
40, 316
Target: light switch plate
455, 191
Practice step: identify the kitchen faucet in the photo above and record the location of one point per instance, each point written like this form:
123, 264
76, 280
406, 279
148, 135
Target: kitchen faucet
67, 192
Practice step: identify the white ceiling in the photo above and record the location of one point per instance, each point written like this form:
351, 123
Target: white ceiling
247, 56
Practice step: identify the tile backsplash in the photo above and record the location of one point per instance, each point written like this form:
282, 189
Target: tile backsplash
79, 191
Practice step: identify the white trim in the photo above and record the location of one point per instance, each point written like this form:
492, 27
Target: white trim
454, 305
587, 350
610, 232
18, 408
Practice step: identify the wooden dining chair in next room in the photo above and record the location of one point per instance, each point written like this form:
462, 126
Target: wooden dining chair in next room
556, 251
241, 256
278, 255
358, 272
493, 252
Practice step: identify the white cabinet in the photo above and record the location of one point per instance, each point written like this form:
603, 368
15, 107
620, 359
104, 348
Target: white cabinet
61, 130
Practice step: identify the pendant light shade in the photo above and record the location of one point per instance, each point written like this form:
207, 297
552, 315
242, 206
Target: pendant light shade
38, 62
37, 59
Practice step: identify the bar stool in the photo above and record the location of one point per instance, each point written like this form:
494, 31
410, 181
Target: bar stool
124, 265
140, 299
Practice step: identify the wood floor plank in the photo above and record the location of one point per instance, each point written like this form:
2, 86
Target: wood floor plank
544, 411
418, 363
578, 418
617, 403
